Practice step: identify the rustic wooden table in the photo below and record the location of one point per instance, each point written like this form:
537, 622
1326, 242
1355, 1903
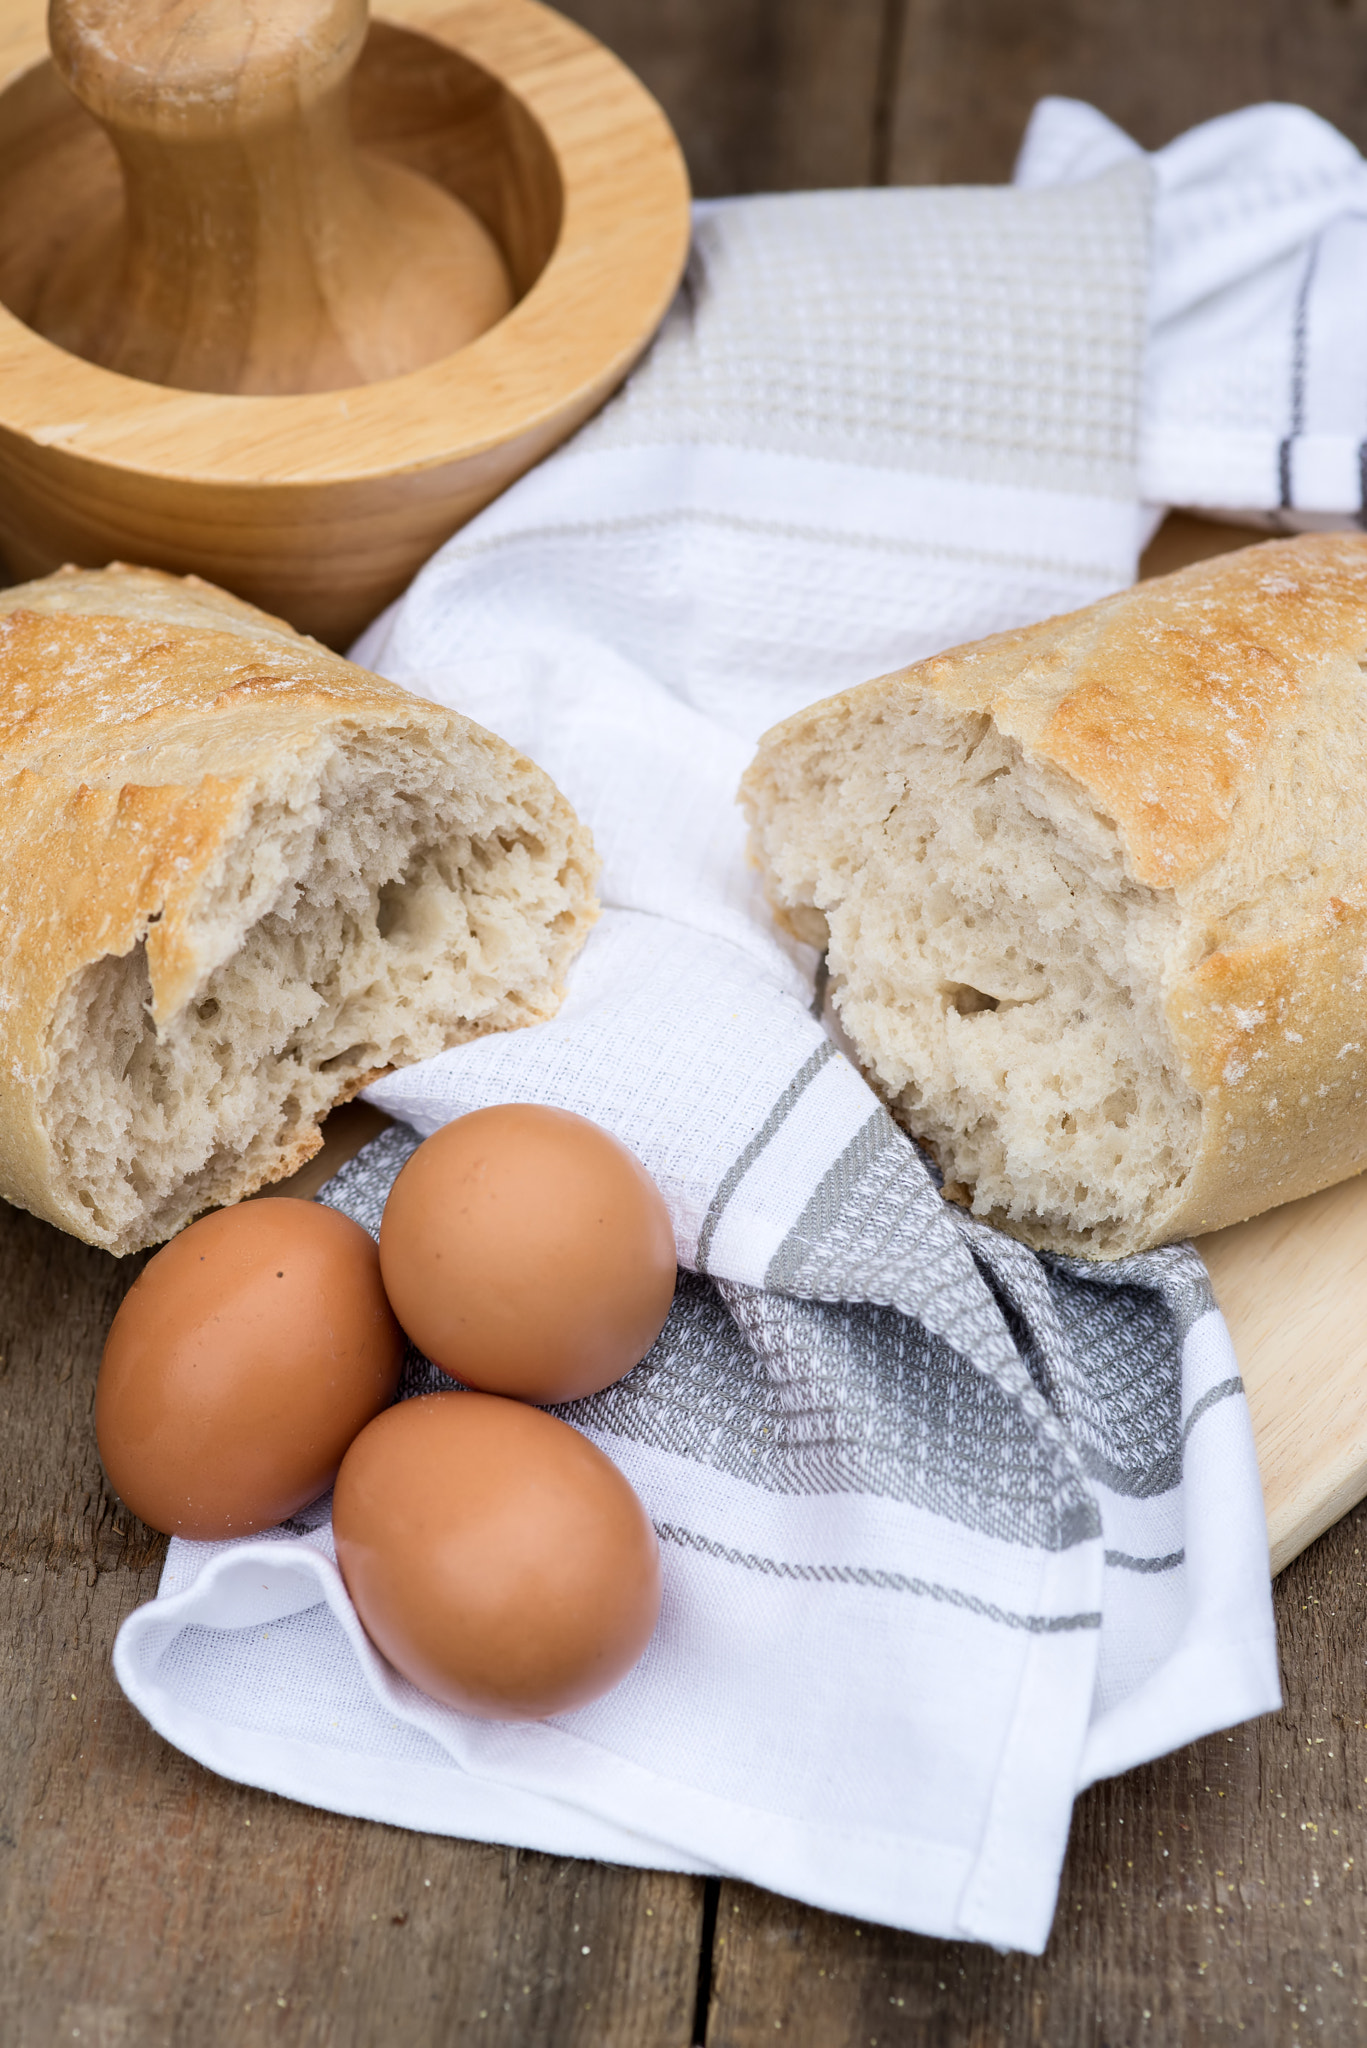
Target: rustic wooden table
1214, 1897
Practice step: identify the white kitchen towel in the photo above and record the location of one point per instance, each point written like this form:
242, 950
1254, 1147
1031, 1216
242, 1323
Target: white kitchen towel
1256, 388
948, 1529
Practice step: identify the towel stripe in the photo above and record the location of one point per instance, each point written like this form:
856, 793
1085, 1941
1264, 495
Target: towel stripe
1122, 1561
880, 1581
1298, 359
777, 1116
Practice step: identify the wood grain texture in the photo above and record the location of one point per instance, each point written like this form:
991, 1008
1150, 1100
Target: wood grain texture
321, 506
1292, 1285
1215, 1897
145, 1902
256, 249
765, 95
971, 70
1185, 537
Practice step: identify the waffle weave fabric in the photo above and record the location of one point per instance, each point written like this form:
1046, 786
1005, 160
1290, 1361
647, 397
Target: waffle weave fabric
1255, 403
949, 1529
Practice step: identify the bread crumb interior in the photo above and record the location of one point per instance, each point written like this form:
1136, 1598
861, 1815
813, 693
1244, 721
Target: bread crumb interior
998, 971
370, 923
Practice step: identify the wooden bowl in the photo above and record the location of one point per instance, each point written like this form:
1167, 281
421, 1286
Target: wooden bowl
321, 507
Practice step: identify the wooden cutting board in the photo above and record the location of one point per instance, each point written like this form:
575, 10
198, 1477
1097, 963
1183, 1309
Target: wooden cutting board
1293, 1288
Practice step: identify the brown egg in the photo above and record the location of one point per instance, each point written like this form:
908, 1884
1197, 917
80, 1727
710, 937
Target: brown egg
244, 1359
495, 1556
527, 1252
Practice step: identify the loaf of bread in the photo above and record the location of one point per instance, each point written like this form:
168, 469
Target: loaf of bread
239, 877
1094, 897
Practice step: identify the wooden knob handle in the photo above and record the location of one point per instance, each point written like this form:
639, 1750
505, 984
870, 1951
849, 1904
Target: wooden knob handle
207, 70
260, 251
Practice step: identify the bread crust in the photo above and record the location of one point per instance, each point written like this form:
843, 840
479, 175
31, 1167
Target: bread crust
1216, 721
142, 717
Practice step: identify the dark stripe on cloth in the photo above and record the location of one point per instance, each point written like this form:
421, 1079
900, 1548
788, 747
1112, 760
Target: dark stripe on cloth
777, 1116
1298, 352
1121, 1560
880, 1581
1167, 1473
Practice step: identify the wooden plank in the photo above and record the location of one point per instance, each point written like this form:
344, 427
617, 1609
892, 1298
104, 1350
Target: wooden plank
18, 19
768, 97
1213, 1897
1293, 1287
1184, 538
147, 1902
971, 70
765, 95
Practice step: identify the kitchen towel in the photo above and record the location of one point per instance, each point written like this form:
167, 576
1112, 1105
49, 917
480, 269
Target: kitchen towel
949, 1529
1256, 382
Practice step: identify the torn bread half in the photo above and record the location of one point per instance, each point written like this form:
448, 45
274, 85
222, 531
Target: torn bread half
1094, 895
239, 877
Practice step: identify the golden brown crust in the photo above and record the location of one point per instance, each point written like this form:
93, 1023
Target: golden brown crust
94, 701
141, 715
1272, 1038
1217, 717
1160, 700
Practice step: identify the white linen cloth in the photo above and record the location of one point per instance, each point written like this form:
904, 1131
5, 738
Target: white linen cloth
949, 1530
1256, 387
